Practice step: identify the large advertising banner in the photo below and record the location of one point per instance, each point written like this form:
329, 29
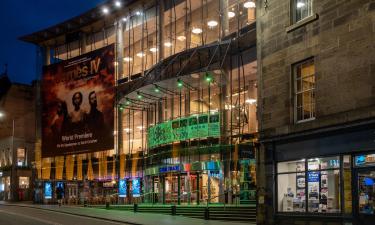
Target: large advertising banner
78, 100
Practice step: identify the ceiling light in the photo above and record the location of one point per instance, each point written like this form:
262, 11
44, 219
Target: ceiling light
141, 54
197, 30
231, 14
118, 4
128, 59
105, 10
1, 114
138, 13
300, 4
181, 38
212, 23
249, 4
154, 49
167, 44
124, 19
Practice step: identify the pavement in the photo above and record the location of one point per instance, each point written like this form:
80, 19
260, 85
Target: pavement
114, 216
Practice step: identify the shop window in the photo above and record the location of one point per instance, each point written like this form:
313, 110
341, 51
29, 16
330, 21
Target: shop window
21, 157
366, 192
291, 186
321, 180
23, 182
301, 9
292, 166
304, 90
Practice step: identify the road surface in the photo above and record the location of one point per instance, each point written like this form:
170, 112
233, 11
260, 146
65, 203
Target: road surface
16, 215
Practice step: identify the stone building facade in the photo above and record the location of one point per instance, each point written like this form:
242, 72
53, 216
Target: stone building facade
316, 67
17, 140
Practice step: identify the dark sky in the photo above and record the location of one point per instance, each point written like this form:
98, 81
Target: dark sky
21, 17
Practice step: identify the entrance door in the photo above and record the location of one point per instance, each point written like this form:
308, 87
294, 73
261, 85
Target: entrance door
365, 196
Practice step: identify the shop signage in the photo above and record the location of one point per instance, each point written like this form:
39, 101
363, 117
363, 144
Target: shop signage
169, 169
313, 176
78, 99
47, 190
110, 184
122, 188
192, 127
136, 186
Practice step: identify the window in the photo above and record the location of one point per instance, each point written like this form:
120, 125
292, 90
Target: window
21, 157
315, 190
301, 9
23, 182
304, 90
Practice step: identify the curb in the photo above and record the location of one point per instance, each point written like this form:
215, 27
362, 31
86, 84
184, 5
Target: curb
75, 214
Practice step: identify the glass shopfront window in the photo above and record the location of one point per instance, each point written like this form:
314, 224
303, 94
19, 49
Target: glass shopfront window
321, 182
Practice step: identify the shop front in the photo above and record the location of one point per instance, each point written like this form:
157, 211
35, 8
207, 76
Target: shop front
187, 184
325, 179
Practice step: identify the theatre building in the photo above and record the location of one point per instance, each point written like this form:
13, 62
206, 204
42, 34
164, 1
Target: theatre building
150, 102
316, 106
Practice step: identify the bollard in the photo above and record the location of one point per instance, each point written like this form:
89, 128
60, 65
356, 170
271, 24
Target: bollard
107, 205
206, 213
135, 207
174, 209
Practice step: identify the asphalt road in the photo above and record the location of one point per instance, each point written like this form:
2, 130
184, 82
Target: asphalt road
15, 215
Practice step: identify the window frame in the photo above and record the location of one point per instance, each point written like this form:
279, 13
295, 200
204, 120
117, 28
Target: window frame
306, 171
296, 93
293, 14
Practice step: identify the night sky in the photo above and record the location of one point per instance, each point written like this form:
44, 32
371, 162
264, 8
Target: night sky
22, 17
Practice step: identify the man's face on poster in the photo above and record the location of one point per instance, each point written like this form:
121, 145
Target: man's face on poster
92, 100
77, 100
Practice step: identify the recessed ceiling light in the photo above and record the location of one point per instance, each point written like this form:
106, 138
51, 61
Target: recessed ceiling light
231, 14
154, 49
197, 30
105, 10
249, 4
167, 44
118, 4
181, 38
128, 59
141, 54
212, 23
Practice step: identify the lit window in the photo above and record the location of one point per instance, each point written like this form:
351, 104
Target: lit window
304, 90
21, 157
301, 9
23, 182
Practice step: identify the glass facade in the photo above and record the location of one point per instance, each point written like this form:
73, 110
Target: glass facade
187, 137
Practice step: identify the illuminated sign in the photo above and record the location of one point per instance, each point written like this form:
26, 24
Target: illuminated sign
47, 190
136, 185
185, 128
169, 169
122, 188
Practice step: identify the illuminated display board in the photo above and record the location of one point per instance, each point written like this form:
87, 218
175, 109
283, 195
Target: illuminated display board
192, 127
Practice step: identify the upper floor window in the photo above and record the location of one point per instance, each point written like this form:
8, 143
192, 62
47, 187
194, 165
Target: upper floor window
304, 90
301, 9
21, 157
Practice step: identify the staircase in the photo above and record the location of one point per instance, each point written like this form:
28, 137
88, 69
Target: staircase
245, 213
